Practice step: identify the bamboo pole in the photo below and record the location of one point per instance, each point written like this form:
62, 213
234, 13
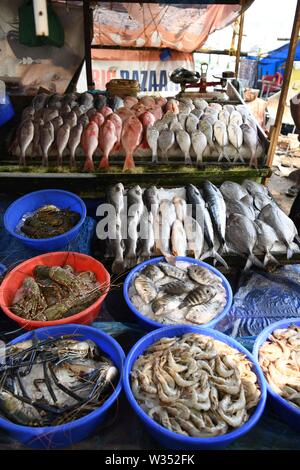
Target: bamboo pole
238, 52
275, 130
88, 35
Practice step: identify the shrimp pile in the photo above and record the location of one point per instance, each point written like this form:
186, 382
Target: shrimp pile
279, 358
195, 386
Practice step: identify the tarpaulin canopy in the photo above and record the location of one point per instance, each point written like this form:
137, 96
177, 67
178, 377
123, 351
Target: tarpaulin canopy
275, 60
184, 27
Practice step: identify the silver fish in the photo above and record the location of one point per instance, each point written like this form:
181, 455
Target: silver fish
202, 275
224, 116
217, 209
221, 136
169, 117
62, 138
115, 196
200, 103
266, 239
84, 120
176, 126
180, 208
283, 226
207, 129
199, 295
191, 123
232, 190
147, 241
57, 123
184, 142
161, 126
73, 143
87, 100
25, 137
199, 142
145, 288
178, 239
39, 101
116, 247
71, 119
197, 113
182, 117
166, 218
235, 137
184, 108
166, 140
236, 118
250, 140
38, 123
216, 106
195, 237
50, 114
153, 271
135, 211
261, 200
173, 271
46, 140
237, 207
152, 139
229, 108
242, 235
28, 113
252, 187
201, 314
165, 304
151, 199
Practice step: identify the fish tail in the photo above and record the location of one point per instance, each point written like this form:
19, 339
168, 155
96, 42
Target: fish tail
224, 247
289, 252
104, 163
129, 162
253, 260
118, 266
212, 253
270, 258
88, 165
297, 239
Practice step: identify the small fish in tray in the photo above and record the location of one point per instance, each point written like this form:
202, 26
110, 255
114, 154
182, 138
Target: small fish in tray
54, 381
182, 294
55, 292
48, 221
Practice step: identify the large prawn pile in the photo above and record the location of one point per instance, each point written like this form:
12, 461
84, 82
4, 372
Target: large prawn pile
195, 386
279, 358
52, 381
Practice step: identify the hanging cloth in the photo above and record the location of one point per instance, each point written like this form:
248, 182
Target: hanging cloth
27, 35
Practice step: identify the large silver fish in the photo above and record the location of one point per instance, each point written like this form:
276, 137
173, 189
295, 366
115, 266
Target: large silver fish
199, 143
217, 209
250, 140
235, 137
135, 211
36, 150
283, 226
152, 139
224, 116
147, 241
191, 123
151, 199
241, 234
236, 118
184, 142
266, 239
178, 239
74, 142
115, 196
25, 137
252, 187
195, 237
221, 136
237, 207
166, 140
46, 140
166, 218
180, 207
232, 190
207, 129
200, 103
62, 139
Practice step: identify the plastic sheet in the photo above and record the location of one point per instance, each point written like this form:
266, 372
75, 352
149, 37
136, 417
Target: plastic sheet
262, 299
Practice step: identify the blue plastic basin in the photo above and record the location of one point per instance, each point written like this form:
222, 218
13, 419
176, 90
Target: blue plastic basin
33, 201
6, 111
67, 434
149, 324
172, 440
286, 411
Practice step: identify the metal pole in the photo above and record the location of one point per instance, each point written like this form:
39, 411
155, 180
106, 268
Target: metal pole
88, 34
285, 86
238, 52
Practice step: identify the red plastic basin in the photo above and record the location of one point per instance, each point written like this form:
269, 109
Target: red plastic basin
79, 262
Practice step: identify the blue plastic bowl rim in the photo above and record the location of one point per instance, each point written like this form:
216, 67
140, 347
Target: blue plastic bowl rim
12, 427
196, 440
50, 239
261, 338
139, 267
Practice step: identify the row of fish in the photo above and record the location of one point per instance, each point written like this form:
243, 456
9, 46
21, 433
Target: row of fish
279, 358
65, 123
183, 293
203, 128
195, 386
202, 223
